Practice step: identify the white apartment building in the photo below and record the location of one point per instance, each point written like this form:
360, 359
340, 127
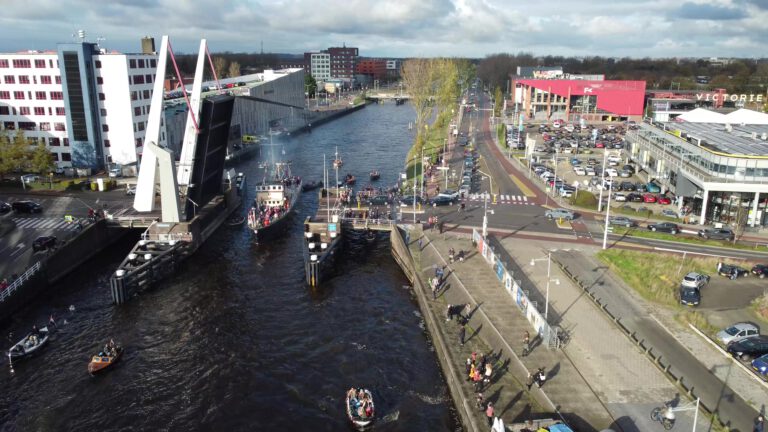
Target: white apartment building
320, 66
87, 105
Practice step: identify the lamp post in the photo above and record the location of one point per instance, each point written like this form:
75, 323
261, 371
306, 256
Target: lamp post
489, 178
607, 214
549, 279
602, 184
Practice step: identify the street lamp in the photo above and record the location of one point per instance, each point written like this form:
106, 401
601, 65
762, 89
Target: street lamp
602, 183
489, 178
549, 279
607, 214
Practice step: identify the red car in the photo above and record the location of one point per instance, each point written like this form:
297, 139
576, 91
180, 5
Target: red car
649, 198
599, 145
664, 200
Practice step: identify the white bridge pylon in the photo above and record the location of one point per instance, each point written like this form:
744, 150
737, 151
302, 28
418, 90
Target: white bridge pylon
157, 163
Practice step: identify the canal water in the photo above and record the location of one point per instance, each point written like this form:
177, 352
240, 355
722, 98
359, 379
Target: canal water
236, 340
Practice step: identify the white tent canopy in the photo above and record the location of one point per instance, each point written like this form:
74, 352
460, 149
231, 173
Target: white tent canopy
741, 116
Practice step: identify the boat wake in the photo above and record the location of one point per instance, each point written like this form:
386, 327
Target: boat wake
391, 417
360, 347
431, 400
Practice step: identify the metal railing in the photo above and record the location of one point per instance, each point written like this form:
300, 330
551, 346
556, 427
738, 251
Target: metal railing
369, 223
19, 281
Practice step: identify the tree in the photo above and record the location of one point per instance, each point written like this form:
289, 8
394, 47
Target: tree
41, 160
219, 65
19, 151
498, 99
310, 85
234, 69
417, 77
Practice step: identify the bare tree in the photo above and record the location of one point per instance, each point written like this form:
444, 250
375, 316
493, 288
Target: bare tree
234, 69
219, 65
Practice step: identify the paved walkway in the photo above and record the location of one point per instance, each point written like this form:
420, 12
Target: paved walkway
497, 322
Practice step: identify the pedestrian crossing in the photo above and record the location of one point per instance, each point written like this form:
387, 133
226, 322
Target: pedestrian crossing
45, 223
502, 199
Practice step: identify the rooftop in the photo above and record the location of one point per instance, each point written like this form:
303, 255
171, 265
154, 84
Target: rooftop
746, 140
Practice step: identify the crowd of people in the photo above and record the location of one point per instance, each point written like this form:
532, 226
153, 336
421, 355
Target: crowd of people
264, 215
360, 404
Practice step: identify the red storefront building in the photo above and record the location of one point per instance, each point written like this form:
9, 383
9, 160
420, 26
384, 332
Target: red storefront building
375, 68
572, 100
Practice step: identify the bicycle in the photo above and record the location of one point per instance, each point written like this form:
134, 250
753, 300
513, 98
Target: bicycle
664, 415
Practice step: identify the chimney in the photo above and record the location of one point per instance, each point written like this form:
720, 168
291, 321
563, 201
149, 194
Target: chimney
147, 45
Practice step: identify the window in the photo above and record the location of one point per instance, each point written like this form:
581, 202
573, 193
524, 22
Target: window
137, 111
102, 97
60, 111
50, 111
148, 79
5, 95
18, 95
152, 62
141, 126
40, 95
138, 142
50, 63
138, 79
40, 64
28, 126
4, 63
58, 79
45, 126
24, 111
132, 63
66, 157
23, 79
45, 79
106, 143
39, 110
4, 110
97, 64
99, 80
55, 157
141, 63
103, 112
56, 95
66, 142
134, 95
147, 94
105, 128
9, 125
22, 63
10, 79
59, 127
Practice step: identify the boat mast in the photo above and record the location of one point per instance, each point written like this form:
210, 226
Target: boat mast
327, 198
336, 166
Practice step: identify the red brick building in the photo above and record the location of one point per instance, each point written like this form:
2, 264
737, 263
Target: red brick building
343, 62
375, 68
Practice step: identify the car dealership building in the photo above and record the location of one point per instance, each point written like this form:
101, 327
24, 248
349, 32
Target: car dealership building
715, 164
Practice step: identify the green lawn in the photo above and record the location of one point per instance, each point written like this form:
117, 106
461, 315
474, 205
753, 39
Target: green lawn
680, 238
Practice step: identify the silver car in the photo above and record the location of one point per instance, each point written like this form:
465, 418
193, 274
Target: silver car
622, 221
559, 214
737, 332
695, 280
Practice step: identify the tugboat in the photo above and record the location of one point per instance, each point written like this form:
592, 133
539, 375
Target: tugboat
275, 201
375, 175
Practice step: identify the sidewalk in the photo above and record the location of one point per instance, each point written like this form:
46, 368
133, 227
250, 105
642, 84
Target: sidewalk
497, 321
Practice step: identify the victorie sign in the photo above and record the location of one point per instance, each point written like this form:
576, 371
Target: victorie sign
724, 97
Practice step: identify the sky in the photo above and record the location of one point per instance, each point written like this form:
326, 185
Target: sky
402, 28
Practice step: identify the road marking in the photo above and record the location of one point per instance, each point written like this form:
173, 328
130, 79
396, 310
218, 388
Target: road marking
523, 188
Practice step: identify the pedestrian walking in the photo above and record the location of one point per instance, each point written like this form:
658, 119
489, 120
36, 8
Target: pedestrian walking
434, 288
440, 227
759, 424
462, 333
479, 402
488, 373
421, 241
449, 313
540, 377
526, 343
468, 368
478, 380
530, 381
489, 413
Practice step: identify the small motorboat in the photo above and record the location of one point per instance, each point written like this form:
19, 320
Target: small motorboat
360, 408
104, 360
375, 175
236, 220
311, 185
30, 344
350, 179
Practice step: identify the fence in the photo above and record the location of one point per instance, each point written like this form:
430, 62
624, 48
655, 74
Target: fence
19, 281
519, 295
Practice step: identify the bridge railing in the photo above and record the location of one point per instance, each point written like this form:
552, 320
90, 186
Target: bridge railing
363, 223
19, 281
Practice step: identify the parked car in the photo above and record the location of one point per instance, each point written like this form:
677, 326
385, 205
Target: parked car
4, 207
737, 332
26, 207
694, 279
628, 186
760, 270
378, 200
649, 198
653, 187
625, 174
441, 201
634, 197
449, 193
731, 271
611, 172
629, 168
717, 234
130, 189
559, 214
690, 296
641, 187
619, 197
664, 200
43, 243
668, 227
622, 221
410, 200
760, 365
749, 348
579, 171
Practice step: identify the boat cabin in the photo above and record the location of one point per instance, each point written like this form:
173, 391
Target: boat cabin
270, 195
